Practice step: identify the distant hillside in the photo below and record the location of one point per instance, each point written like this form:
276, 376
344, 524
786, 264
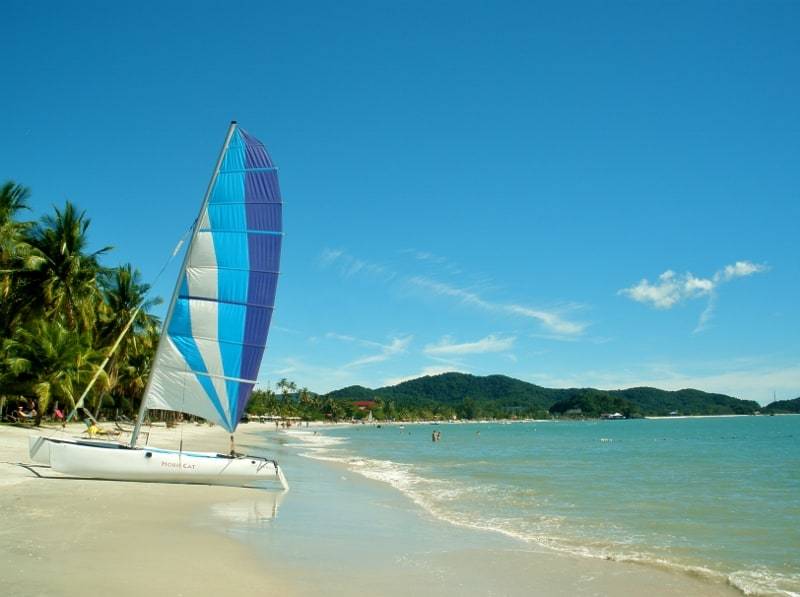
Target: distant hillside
470, 396
653, 401
453, 388
782, 407
594, 403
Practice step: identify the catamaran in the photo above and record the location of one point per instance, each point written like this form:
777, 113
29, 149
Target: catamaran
214, 333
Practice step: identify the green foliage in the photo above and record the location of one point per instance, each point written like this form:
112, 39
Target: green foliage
61, 311
655, 402
50, 362
783, 407
594, 403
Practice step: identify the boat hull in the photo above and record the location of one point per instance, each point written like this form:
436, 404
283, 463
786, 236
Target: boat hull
122, 463
39, 445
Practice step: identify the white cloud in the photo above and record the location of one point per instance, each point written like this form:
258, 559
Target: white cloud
740, 269
432, 370
671, 289
552, 320
706, 315
490, 343
386, 351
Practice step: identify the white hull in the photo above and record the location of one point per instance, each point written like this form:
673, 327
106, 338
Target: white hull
39, 445
121, 463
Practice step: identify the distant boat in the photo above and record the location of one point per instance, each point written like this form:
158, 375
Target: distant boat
214, 334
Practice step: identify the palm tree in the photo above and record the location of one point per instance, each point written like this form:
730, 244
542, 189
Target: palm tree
286, 387
50, 362
17, 257
133, 370
66, 281
125, 297
124, 293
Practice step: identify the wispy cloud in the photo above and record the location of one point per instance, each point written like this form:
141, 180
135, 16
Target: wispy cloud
348, 338
435, 260
671, 289
552, 320
488, 344
308, 372
432, 370
281, 328
349, 265
385, 351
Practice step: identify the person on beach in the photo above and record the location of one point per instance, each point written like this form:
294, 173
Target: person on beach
433, 436
93, 429
22, 415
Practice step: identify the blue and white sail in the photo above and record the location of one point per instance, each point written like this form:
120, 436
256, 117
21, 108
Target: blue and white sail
216, 328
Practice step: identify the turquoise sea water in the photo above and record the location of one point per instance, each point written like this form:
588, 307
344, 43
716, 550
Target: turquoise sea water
715, 497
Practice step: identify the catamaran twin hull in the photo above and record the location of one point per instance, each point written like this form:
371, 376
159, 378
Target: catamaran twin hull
120, 462
39, 445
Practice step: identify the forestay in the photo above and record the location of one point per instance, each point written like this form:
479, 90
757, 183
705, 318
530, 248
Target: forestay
208, 359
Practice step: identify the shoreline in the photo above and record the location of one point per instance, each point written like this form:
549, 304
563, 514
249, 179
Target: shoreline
337, 533
497, 563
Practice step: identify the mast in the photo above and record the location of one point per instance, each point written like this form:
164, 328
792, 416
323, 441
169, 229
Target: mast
176, 291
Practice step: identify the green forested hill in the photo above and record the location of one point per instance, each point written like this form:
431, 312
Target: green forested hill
470, 396
653, 401
782, 406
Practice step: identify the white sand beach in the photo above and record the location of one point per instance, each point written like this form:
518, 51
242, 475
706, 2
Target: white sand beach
335, 534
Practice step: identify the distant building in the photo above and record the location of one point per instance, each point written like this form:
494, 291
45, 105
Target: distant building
612, 416
364, 404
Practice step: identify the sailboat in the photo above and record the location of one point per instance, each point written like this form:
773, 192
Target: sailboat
214, 333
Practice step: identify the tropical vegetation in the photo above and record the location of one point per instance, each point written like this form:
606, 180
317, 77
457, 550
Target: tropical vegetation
498, 396
783, 407
61, 310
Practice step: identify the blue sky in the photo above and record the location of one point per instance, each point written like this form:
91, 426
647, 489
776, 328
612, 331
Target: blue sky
569, 193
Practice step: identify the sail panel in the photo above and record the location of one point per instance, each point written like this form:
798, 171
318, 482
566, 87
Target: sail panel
240, 286
217, 331
229, 188
219, 321
262, 186
254, 217
265, 252
174, 386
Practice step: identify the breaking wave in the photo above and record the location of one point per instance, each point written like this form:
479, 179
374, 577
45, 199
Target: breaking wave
444, 500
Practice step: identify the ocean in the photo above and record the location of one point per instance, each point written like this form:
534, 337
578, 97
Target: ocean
717, 498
